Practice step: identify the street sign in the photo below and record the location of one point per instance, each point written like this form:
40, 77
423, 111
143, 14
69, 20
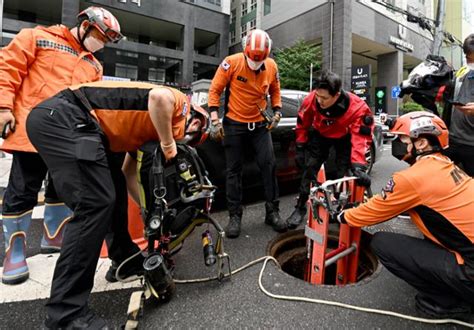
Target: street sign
395, 92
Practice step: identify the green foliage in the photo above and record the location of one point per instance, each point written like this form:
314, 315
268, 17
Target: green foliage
410, 106
294, 64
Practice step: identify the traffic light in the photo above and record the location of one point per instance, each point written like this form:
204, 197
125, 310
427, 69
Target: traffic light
380, 99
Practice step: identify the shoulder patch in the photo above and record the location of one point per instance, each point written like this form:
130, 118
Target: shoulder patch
225, 65
388, 188
185, 109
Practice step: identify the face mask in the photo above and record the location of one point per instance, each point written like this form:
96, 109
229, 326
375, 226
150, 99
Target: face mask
470, 66
254, 65
400, 151
93, 45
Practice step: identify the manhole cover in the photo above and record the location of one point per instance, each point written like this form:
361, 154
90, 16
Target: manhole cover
290, 251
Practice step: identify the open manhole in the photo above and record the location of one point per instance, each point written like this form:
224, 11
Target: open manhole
290, 251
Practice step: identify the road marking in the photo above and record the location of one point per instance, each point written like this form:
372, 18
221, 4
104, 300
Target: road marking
38, 286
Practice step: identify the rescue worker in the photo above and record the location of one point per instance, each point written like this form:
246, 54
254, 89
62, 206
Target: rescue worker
330, 117
461, 126
441, 265
35, 65
248, 78
74, 132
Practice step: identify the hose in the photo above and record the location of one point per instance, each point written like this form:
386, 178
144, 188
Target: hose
265, 260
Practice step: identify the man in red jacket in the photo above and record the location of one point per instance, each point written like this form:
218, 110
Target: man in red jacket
330, 117
34, 66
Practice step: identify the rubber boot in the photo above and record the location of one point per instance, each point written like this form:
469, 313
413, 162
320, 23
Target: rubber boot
273, 218
15, 268
233, 227
298, 214
55, 218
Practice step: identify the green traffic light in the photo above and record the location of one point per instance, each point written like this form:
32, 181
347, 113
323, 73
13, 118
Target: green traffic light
380, 94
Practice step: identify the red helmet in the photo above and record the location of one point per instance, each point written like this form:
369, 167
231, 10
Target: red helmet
257, 45
102, 20
414, 124
196, 137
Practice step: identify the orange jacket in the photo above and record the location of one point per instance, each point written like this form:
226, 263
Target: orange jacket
121, 109
35, 65
246, 89
438, 196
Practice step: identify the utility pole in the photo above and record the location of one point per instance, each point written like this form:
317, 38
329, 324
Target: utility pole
438, 34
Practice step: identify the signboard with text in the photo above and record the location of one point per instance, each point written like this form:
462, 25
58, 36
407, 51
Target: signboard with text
360, 81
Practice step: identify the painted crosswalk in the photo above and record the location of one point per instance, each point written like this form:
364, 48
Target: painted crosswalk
38, 286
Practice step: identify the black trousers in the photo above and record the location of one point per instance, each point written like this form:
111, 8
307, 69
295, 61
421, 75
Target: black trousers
428, 267
237, 138
317, 152
27, 173
463, 154
72, 147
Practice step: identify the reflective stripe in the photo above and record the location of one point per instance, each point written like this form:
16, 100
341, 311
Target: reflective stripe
43, 43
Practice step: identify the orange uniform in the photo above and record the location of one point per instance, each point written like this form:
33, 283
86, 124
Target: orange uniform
437, 195
118, 104
247, 90
37, 64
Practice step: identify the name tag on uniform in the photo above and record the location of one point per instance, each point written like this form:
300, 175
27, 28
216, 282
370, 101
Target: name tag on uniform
242, 79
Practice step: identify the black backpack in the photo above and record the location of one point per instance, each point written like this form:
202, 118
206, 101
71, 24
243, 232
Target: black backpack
182, 184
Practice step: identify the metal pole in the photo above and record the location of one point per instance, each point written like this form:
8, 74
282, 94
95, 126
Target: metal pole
438, 34
331, 3
311, 77
338, 256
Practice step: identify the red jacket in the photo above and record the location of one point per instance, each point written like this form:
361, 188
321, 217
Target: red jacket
351, 122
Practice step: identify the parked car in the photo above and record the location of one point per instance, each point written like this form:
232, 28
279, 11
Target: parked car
283, 136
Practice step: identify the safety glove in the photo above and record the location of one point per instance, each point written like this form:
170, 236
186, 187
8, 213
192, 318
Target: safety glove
7, 122
300, 157
274, 121
360, 171
217, 131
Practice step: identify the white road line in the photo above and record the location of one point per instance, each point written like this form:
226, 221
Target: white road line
38, 286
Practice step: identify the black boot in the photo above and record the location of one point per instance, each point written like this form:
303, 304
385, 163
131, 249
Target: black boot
298, 214
233, 227
273, 218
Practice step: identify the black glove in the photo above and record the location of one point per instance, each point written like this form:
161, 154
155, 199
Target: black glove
300, 157
363, 178
338, 217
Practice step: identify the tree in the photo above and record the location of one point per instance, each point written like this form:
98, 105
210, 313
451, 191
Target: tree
294, 64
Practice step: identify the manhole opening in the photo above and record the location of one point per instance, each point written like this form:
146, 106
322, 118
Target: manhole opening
290, 251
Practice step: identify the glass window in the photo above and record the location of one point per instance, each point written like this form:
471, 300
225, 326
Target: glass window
244, 7
232, 37
156, 75
253, 24
233, 16
126, 71
253, 5
243, 30
267, 7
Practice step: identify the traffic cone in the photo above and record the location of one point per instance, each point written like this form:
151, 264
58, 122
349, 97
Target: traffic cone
135, 227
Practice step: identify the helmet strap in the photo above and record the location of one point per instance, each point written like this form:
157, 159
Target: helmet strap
84, 36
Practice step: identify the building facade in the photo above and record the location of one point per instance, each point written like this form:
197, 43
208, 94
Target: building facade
167, 41
353, 35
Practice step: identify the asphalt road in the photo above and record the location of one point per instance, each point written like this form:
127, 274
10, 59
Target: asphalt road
238, 302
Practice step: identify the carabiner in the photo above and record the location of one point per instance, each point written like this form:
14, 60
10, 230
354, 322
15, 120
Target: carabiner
251, 126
